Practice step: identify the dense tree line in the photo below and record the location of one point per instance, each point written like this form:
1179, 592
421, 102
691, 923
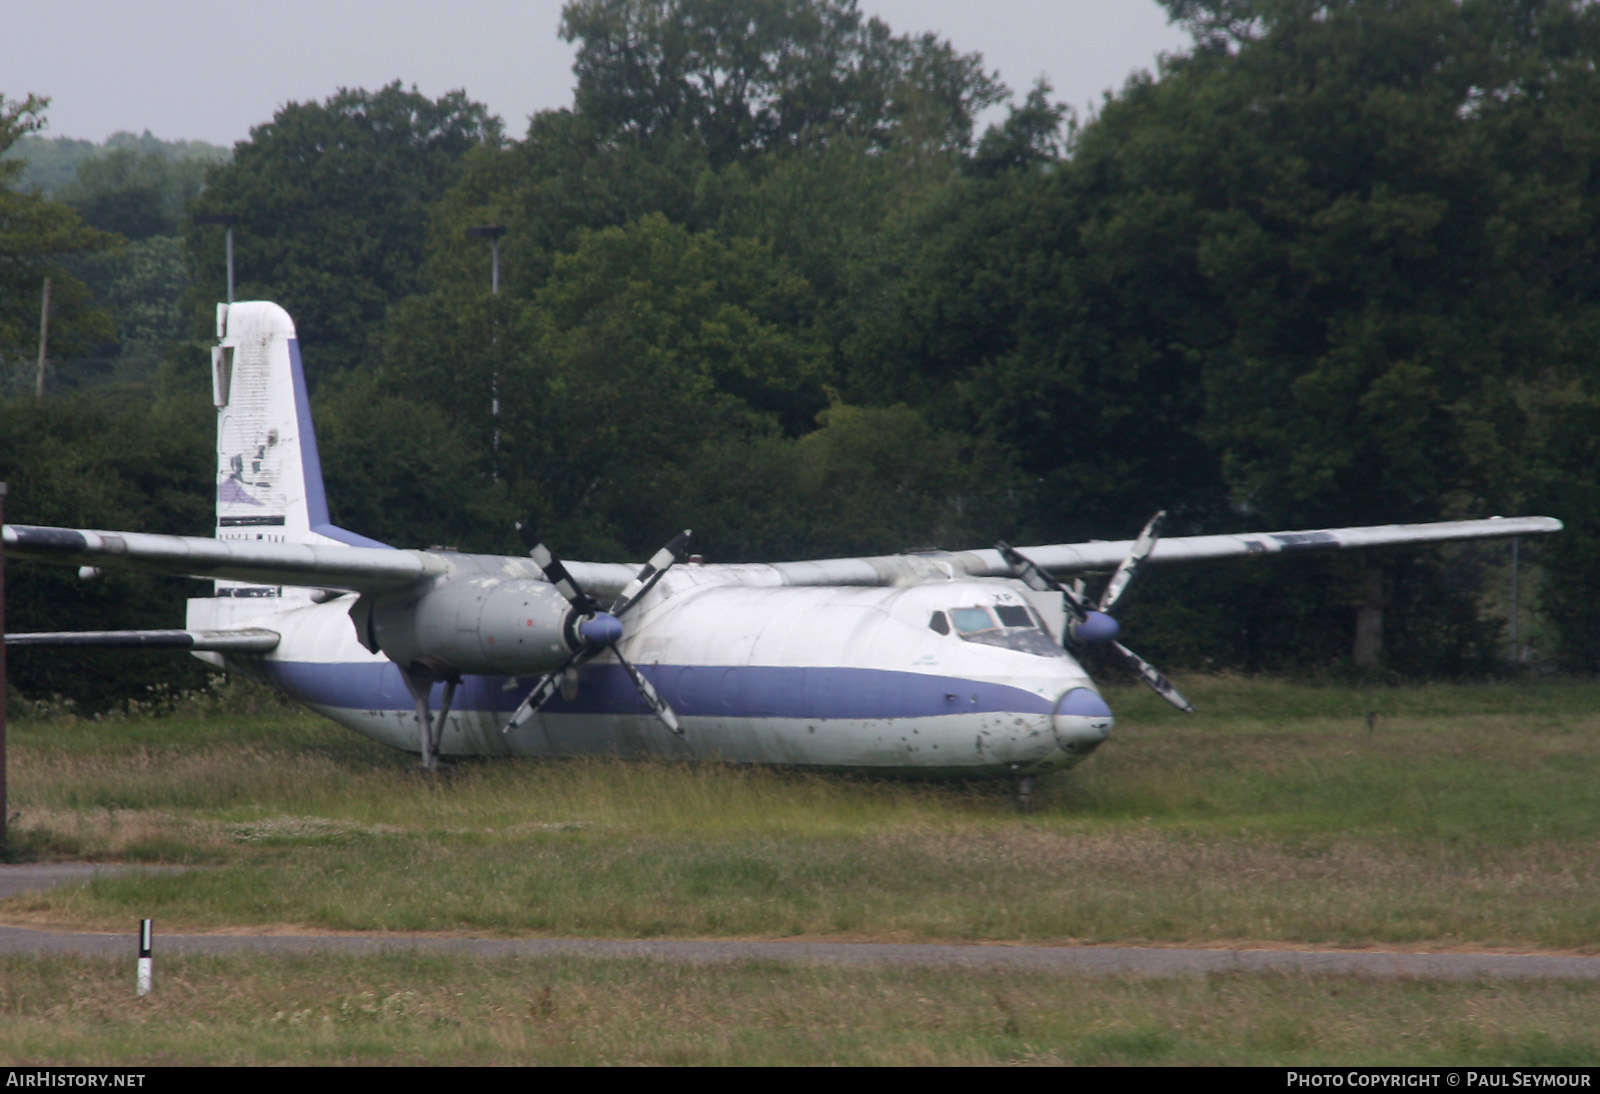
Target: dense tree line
1330, 265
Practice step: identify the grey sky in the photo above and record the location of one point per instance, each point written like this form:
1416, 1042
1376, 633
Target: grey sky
203, 70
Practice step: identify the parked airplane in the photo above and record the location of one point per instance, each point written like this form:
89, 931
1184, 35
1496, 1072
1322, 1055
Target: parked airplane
933, 662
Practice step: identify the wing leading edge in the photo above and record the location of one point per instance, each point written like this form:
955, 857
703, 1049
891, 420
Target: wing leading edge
1068, 559
375, 570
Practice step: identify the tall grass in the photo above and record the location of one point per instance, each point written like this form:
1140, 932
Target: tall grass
415, 1008
1464, 816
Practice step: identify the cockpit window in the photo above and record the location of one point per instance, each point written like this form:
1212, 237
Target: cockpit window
1018, 629
1013, 616
972, 620
939, 623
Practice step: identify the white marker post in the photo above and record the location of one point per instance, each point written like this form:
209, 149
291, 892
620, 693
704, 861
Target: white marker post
145, 964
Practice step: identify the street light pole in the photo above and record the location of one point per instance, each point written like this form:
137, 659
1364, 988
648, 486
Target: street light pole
493, 232
229, 220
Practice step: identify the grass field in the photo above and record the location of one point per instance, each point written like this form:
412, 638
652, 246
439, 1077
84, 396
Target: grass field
1467, 817
437, 1010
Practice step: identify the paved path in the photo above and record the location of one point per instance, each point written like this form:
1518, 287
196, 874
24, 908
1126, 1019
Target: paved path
1099, 960
15, 880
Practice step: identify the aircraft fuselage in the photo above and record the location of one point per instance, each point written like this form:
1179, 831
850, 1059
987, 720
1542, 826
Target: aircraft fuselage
854, 678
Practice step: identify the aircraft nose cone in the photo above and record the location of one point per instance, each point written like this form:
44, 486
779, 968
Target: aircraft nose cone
602, 630
1081, 720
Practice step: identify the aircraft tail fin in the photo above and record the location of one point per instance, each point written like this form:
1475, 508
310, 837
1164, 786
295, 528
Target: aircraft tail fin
269, 473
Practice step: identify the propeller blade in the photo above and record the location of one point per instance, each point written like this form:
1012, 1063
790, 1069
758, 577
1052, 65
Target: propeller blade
1035, 578
598, 630
557, 575
1117, 587
651, 696
547, 686
652, 572
1152, 676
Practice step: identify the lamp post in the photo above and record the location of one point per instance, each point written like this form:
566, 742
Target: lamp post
228, 220
493, 232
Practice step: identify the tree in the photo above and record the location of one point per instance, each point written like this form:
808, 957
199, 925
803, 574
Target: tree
142, 286
38, 238
749, 76
334, 200
646, 344
1009, 320
86, 460
1389, 210
135, 194
53, 162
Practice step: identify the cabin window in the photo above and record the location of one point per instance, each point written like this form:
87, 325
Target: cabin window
939, 623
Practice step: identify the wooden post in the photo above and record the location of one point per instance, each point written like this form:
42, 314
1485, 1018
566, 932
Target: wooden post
44, 338
1516, 653
1369, 617
3, 805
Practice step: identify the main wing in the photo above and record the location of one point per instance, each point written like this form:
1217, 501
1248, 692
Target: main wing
375, 570
1068, 559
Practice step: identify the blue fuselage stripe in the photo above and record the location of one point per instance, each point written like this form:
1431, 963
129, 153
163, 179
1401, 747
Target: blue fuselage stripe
692, 690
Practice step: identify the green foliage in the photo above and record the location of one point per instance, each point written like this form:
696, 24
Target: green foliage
867, 481
89, 461
645, 344
47, 163
136, 194
1030, 135
141, 286
1399, 264
400, 471
750, 76
333, 200
37, 238
51, 163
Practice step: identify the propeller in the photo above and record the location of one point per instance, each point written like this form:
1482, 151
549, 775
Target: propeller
593, 631
1094, 624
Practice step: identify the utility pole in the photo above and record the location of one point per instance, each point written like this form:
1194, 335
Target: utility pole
44, 338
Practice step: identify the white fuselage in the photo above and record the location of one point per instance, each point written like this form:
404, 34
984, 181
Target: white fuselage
831, 677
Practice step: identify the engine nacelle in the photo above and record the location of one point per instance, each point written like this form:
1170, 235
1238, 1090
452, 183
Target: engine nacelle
471, 624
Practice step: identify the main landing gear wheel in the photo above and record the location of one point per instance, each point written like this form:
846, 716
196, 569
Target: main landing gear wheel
1025, 801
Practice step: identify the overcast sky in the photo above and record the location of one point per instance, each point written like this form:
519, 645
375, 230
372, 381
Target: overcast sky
205, 70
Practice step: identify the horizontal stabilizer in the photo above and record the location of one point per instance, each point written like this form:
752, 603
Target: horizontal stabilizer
250, 640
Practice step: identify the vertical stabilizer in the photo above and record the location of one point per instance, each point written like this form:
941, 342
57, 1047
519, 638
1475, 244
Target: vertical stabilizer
269, 475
